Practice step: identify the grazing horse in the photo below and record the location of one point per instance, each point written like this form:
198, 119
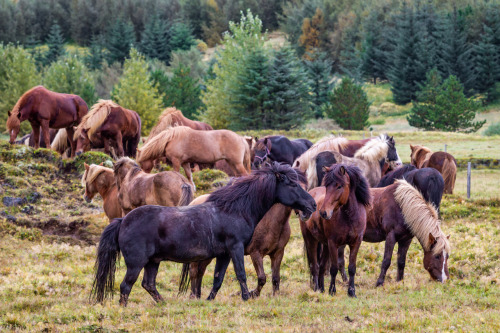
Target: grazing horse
278, 148
270, 237
171, 117
45, 109
183, 145
137, 188
340, 220
99, 179
398, 214
445, 163
109, 125
218, 228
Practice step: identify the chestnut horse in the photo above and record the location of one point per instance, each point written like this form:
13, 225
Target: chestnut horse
269, 239
398, 214
109, 125
183, 145
45, 109
445, 163
340, 220
99, 179
137, 188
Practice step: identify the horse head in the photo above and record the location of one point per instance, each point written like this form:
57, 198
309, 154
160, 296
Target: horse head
82, 142
89, 181
261, 151
436, 262
13, 125
392, 153
337, 183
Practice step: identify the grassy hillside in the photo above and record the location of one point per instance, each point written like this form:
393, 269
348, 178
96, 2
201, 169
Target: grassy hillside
47, 257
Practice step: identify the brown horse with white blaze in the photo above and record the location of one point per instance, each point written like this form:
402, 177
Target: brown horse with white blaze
183, 145
45, 109
109, 125
99, 179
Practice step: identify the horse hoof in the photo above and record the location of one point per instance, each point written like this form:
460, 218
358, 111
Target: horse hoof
254, 294
351, 293
379, 283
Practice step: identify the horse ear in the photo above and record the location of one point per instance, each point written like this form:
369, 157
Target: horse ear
342, 170
325, 168
86, 166
143, 140
448, 237
8, 112
102, 164
256, 138
432, 240
412, 146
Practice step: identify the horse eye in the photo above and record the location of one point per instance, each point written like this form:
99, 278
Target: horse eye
339, 187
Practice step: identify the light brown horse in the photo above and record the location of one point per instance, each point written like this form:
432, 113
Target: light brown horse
99, 179
137, 188
269, 239
109, 125
183, 145
45, 109
445, 163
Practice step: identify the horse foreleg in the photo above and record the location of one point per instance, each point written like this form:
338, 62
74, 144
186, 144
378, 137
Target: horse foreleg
189, 175
386, 262
70, 132
107, 149
261, 275
36, 135
119, 144
237, 252
221, 264
403, 247
196, 272
334, 267
276, 259
353, 254
323, 265
149, 280
46, 132
241, 171
311, 246
342, 263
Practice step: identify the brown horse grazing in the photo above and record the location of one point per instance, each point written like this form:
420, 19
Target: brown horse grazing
423, 157
99, 179
269, 239
398, 214
137, 188
339, 220
109, 125
183, 145
46, 109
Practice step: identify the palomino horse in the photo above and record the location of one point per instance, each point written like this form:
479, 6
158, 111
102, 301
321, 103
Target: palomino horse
218, 228
183, 145
340, 220
106, 125
278, 148
423, 157
46, 109
398, 214
137, 188
99, 179
270, 237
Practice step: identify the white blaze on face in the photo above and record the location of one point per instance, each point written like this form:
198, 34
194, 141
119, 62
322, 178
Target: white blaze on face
443, 273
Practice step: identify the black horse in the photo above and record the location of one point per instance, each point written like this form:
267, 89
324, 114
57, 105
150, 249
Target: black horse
428, 181
219, 228
278, 148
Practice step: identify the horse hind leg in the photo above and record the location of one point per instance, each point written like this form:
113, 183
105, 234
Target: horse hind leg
127, 283
221, 264
261, 275
275, 267
353, 254
149, 280
342, 263
189, 175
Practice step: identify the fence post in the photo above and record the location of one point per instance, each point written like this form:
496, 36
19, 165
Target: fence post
445, 145
468, 179
363, 135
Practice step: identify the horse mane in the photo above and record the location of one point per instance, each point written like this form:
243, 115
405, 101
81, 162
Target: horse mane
95, 117
419, 150
252, 195
358, 182
260, 143
374, 150
167, 119
93, 172
13, 120
60, 142
421, 217
398, 173
123, 161
155, 147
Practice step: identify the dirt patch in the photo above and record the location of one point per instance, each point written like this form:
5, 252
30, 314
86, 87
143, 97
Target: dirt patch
76, 230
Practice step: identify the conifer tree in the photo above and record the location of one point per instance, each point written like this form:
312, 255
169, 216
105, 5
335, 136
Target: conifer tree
312, 31
319, 70
95, 57
351, 57
55, 42
181, 37
155, 40
374, 61
120, 39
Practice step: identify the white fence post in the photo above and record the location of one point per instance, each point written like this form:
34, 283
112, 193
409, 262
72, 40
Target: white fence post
468, 179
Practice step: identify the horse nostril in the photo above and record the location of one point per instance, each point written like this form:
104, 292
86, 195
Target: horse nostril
322, 214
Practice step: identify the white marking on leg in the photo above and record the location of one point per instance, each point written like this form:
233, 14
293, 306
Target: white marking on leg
443, 273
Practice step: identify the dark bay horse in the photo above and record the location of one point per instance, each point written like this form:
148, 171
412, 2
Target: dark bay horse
279, 148
398, 214
45, 109
445, 163
218, 228
109, 125
339, 221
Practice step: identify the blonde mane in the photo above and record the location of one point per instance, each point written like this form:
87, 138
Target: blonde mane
60, 142
155, 147
166, 120
93, 172
13, 120
374, 150
416, 150
421, 217
331, 143
95, 117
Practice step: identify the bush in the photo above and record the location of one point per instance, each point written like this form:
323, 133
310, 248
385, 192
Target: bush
493, 129
348, 105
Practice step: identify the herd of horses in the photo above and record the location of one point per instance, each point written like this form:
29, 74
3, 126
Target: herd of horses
344, 192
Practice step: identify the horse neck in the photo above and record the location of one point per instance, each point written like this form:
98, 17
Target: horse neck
109, 184
350, 209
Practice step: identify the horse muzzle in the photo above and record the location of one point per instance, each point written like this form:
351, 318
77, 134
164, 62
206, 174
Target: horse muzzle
326, 215
78, 153
87, 199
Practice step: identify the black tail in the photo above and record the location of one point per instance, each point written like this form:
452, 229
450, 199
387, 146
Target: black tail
435, 190
105, 264
186, 196
184, 284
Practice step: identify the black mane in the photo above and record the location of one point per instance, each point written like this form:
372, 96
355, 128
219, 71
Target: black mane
389, 178
358, 182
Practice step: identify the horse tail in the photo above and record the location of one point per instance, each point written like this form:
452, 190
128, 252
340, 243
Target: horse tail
108, 253
60, 142
312, 175
247, 163
449, 175
434, 191
184, 284
187, 195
